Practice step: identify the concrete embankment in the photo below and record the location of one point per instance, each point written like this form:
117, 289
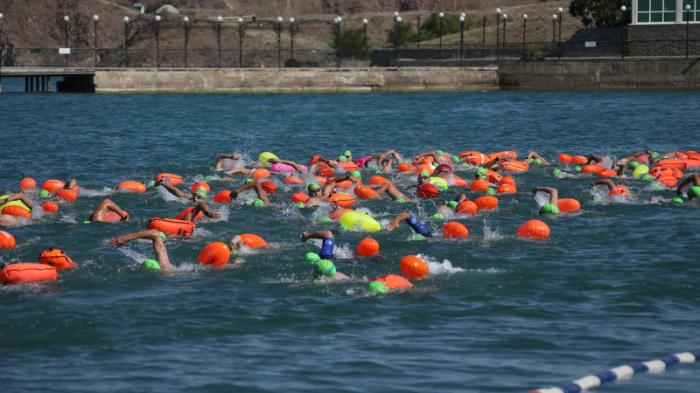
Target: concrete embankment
577, 75
298, 80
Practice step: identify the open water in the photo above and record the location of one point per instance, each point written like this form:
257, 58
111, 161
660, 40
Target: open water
614, 284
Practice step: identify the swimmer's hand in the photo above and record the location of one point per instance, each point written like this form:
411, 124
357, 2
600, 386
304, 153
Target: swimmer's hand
116, 242
272, 160
125, 217
213, 215
234, 194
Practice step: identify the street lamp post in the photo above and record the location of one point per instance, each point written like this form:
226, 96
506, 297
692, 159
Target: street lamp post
219, 21
461, 38
279, 41
95, 21
240, 42
2, 19
441, 17
524, 33
126, 41
186, 31
156, 27
483, 37
560, 10
66, 18
687, 29
397, 39
418, 32
337, 21
505, 18
364, 34
498, 31
291, 38
554, 29
622, 31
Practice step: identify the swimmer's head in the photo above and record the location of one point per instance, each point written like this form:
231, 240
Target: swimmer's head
44, 193
443, 168
490, 191
150, 264
312, 257
677, 201
481, 172
300, 204
438, 217
556, 172
347, 154
549, 208
313, 188
202, 193
440, 152
343, 159
249, 180
452, 204
654, 155
324, 268
535, 161
455, 159
424, 173
400, 200
356, 174
258, 203
634, 164
694, 192
377, 287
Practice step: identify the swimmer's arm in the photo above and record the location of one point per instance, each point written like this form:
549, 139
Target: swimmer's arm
246, 186
290, 163
71, 184
174, 190
393, 224
328, 188
553, 193
158, 246
534, 154
605, 182
21, 197
262, 194
621, 168
235, 243
316, 235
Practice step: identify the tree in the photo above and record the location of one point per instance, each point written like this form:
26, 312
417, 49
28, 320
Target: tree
601, 13
432, 27
406, 34
352, 44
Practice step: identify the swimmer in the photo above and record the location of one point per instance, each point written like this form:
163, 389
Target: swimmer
105, 207
202, 207
153, 235
326, 253
694, 190
231, 164
551, 206
297, 167
178, 192
346, 156
442, 170
390, 189
238, 241
412, 221
19, 198
259, 190
613, 189
533, 156
320, 195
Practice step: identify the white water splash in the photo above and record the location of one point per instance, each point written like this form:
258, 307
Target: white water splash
95, 193
437, 268
490, 235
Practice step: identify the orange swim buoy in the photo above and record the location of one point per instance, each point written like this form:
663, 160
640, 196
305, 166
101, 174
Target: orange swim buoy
472, 157
50, 207
223, 196
252, 240
348, 166
394, 281
423, 167
505, 188
342, 200
592, 168
534, 229
579, 160
514, 166
368, 247
199, 186
17, 211
467, 207
565, 158
427, 191
619, 190
171, 178
27, 184
293, 180
414, 267
503, 155
18, 273
378, 180
67, 194
52, 185
269, 187
667, 181
479, 185
454, 230
486, 202
345, 184
606, 172
494, 177
458, 181
171, 226
568, 205
186, 211
508, 180
215, 254
260, 173
366, 192
404, 167
325, 171
300, 197
7, 241
56, 258
132, 186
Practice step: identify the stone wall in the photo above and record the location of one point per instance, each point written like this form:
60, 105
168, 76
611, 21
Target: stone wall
297, 80
663, 40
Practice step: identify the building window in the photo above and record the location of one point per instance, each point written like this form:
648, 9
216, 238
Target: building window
657, 11
694, 13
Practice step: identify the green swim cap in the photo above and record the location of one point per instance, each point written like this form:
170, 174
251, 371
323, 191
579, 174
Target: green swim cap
452, 204
577, 168
357, 174
440, 152
249, 180
455, 159
647, 177
347, 153
258, 203
490, 191
633, 164
343, 159
425, 172
150, 264
208, 178
694, 192
481, 172
438, 217
325, 220
312, 257
300, 205
313, 187
536, 161
400, 200
549, 208
654, 155
324, 267
377, 287
677, 201
87, 222
556, 172
44, 194
202, 193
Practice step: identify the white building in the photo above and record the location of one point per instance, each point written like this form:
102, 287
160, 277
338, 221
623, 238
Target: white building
664, 11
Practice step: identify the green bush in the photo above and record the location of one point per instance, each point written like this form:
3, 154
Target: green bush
406, 34
352, 44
